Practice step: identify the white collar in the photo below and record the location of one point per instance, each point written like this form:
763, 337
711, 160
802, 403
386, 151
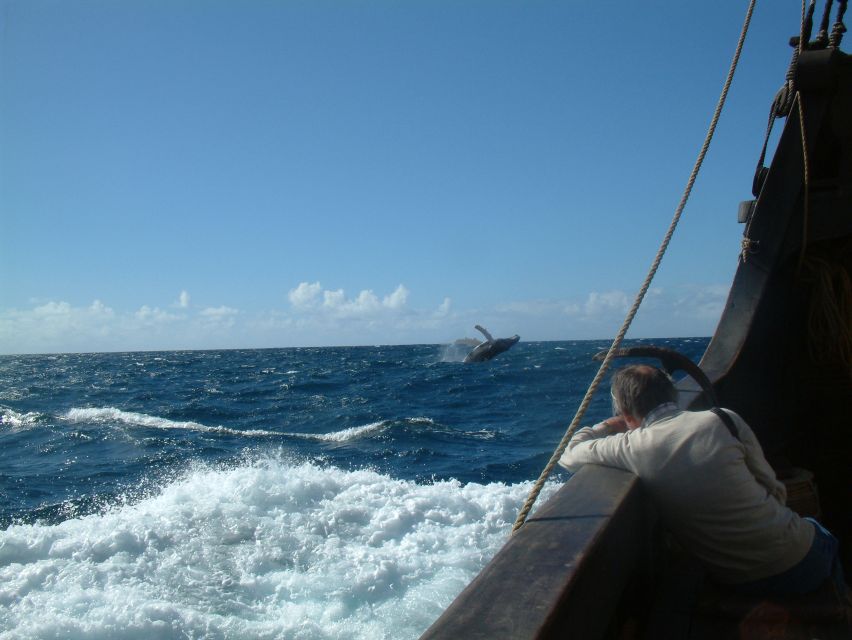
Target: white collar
659, 412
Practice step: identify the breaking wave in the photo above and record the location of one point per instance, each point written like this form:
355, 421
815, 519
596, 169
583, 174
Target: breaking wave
266, 550
113, 415
344, 434
16, 420
110, 414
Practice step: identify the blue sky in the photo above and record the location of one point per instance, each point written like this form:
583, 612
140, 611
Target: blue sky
211, 174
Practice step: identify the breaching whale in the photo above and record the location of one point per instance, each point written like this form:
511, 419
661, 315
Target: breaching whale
491, 347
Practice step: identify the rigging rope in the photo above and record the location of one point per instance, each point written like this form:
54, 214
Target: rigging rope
822, 35
806, 180
539, 484
839, 28
787, 95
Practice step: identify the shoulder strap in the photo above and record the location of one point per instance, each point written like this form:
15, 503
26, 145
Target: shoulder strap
727, 420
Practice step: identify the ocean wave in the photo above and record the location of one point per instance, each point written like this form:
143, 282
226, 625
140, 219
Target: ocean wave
265, 550
113, 415
479, 434
16, 420
344, 434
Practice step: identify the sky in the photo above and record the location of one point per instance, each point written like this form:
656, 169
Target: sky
203, 174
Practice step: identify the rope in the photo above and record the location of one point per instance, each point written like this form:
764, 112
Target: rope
806, 179
782, 105
783, 101
807, 24
830, 309
822, 36
839, 28
539, 484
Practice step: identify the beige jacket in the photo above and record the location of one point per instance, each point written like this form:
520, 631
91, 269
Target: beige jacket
718, 495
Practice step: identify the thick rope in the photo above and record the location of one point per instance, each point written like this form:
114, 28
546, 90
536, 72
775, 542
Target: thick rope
822, 35
807, 24
839, 28
539, 484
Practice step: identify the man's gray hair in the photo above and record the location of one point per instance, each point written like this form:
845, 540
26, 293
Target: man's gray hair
639, 388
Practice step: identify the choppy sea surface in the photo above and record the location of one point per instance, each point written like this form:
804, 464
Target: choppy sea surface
275, 493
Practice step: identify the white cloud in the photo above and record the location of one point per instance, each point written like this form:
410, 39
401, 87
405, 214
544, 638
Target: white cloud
397, 299
183, 300
99, 308
366, 302
609, 301
316, 316
53, 309
334, 299
219, 318
703, 302
681, 310
155, 315
219, 312
305, 299
305, 295
336, 303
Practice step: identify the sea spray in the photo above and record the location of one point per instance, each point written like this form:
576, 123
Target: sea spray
264, 550
9, 418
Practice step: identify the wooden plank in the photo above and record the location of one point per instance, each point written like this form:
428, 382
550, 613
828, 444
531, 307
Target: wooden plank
564, 571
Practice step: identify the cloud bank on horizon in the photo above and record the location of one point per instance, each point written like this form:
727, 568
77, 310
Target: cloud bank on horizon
171, 196
316, 316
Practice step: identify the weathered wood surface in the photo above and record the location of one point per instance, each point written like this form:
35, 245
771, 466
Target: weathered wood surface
562, 574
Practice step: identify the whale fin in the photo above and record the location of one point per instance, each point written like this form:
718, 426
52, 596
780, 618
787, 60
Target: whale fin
484, 332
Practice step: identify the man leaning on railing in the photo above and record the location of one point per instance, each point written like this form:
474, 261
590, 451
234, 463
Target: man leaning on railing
712, 485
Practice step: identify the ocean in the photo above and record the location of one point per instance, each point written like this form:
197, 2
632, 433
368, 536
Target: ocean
270, 493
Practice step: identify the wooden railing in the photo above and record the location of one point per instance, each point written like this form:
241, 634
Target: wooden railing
565, 572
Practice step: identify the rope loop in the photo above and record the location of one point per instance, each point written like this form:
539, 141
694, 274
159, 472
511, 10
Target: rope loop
839, 28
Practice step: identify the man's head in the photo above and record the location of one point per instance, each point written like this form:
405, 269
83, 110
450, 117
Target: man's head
638, 389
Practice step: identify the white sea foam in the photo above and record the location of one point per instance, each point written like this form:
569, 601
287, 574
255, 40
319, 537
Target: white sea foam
344, 434
113, 415
421, 420
15, 420
266, 550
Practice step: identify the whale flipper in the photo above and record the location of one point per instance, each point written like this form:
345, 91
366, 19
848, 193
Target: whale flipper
484, 332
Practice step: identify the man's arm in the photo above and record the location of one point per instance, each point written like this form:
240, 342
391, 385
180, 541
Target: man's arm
601, 444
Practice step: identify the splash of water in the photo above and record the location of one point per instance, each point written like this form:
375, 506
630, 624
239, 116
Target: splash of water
265, 550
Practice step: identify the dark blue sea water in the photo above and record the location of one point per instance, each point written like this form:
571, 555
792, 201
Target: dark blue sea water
304, 493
